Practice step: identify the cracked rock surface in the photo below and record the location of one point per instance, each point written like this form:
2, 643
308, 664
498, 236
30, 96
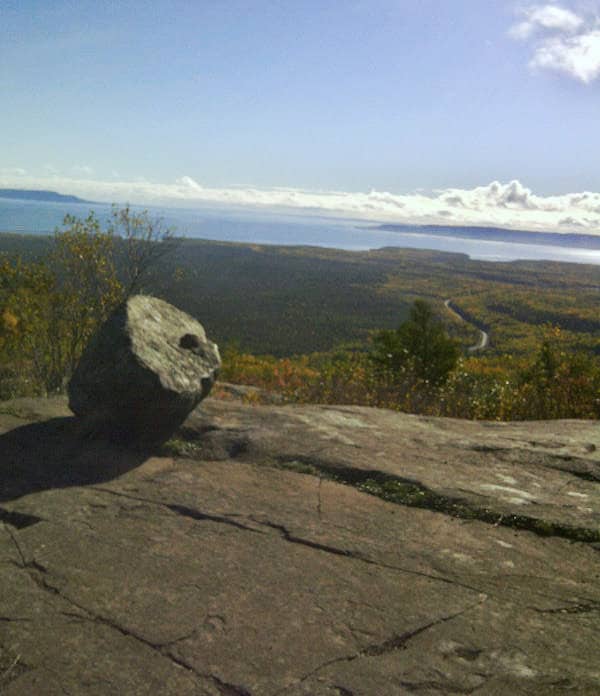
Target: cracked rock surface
249, 556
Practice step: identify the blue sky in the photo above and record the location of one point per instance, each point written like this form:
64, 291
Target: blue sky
391, 109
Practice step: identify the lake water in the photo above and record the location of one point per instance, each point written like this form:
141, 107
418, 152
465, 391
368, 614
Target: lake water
238, 225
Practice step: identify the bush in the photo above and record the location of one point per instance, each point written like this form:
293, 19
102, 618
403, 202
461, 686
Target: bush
550, 386
50, 309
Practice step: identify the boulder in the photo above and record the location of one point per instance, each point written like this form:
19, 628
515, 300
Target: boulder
146, 369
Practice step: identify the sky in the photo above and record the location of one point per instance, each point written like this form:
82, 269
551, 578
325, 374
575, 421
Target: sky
451, 112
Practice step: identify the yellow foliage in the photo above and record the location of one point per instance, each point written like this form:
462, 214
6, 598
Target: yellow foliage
479, 388
49, 309
9, 321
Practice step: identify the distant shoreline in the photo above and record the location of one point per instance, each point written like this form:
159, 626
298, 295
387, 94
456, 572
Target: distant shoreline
499, 234
40, 195
487, 244
571, 240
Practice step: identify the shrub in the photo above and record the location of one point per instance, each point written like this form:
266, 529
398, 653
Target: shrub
50, 309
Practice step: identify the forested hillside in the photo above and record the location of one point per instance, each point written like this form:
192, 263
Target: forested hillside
305, 320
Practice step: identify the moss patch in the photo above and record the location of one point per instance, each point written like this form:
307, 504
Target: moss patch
176, 447
412, 494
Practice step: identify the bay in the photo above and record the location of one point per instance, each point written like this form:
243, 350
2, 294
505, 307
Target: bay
259, 227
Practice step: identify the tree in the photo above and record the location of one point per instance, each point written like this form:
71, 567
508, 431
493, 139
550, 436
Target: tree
143, 241
420, 344
26, 291
85, 291
559, 384
49, 309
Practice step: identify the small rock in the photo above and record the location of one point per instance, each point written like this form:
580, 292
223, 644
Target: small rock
146, 369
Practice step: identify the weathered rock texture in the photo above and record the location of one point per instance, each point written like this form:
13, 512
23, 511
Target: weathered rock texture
146, 369
247, 557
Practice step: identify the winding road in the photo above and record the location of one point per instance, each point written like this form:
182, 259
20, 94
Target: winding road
484, 337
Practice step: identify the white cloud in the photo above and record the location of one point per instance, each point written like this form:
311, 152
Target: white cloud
551, 17
561, 41
12, 171
510, 204
570, 222
577, 56
82, 170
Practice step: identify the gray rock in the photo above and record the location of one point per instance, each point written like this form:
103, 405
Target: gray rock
146, 369
230, 562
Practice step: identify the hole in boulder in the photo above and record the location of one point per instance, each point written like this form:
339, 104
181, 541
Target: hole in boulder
190, 341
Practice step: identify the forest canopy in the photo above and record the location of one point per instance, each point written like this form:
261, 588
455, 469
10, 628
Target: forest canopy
315, 324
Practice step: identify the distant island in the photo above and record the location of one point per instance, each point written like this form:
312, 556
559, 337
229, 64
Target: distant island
499, 234
46, 196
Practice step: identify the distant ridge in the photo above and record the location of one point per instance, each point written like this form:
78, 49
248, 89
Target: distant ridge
499, 234
47, 196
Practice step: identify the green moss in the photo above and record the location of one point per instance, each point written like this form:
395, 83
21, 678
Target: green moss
298, 467
399, 491
176, 447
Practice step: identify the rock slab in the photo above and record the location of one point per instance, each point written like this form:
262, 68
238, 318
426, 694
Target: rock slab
228, 562
146, 369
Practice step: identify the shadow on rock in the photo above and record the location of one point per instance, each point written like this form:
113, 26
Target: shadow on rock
59, 453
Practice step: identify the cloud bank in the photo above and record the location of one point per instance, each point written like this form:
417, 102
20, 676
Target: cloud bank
511, 204
562, 40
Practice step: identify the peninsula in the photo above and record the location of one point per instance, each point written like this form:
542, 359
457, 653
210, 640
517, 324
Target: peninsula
45, 196
500, 234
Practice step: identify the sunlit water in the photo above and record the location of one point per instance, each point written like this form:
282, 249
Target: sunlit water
263, 228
